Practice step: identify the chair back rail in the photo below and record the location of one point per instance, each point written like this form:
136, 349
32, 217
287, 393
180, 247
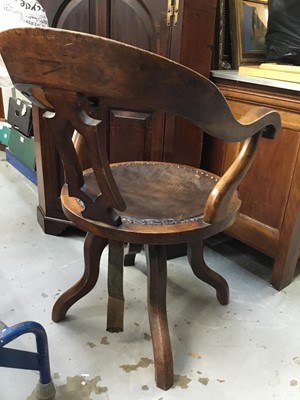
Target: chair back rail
91, 64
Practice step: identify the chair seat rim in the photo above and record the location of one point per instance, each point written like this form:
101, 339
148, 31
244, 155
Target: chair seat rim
182, 232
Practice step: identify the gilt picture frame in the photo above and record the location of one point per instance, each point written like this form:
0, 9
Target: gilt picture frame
222, 41
248, 26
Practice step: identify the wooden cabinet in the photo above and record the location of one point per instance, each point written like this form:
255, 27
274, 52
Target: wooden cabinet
178, 29
270, 213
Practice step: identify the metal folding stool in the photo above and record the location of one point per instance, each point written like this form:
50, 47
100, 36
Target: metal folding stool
20, 359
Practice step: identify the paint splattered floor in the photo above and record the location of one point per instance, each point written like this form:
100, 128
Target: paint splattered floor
247, 350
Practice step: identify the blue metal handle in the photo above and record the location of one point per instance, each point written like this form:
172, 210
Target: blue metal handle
23, 359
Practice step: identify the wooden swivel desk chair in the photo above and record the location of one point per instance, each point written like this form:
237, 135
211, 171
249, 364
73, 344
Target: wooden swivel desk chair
145, 203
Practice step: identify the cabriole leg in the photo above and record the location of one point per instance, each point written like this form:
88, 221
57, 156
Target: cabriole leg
93, 248
203, 272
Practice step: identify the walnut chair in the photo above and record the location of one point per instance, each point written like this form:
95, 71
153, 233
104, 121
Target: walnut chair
146, 203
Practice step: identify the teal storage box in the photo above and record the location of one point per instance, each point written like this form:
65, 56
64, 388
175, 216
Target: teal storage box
4, 134
22, 147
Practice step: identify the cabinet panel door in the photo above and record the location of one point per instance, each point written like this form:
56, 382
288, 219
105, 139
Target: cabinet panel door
128, 21
132, 133
191, 45
269, 179
68, 14
139, 125
143, 23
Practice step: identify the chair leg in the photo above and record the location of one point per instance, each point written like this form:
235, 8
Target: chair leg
203, 272
115, 306
157, 283
93, 248
132, 251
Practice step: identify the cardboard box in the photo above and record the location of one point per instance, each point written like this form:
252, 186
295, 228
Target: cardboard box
20, 116
22, 147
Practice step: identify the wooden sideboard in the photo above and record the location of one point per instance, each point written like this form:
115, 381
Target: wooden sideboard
270, 214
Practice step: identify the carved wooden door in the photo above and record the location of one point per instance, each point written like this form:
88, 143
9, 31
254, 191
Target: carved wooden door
134, 134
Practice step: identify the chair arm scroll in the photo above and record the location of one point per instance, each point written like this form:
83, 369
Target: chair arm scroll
262, 119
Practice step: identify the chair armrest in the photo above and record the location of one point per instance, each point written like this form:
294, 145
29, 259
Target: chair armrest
218, 203
259, 121
262, 119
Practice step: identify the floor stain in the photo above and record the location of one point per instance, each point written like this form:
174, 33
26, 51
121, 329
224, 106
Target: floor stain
296, 360
76, 388
182, 381
147, 337
145, 387
44, 295
221, 380
104, 340
195, 355
293, 382
204, 381
56, 375
143, 363
91, 345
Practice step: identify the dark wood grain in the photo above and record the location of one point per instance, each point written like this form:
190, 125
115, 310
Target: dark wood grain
157, 311
115, 305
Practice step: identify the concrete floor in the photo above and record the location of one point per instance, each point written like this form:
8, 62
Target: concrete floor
247, 350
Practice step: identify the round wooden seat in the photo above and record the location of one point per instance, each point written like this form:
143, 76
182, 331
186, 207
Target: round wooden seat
164, 203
